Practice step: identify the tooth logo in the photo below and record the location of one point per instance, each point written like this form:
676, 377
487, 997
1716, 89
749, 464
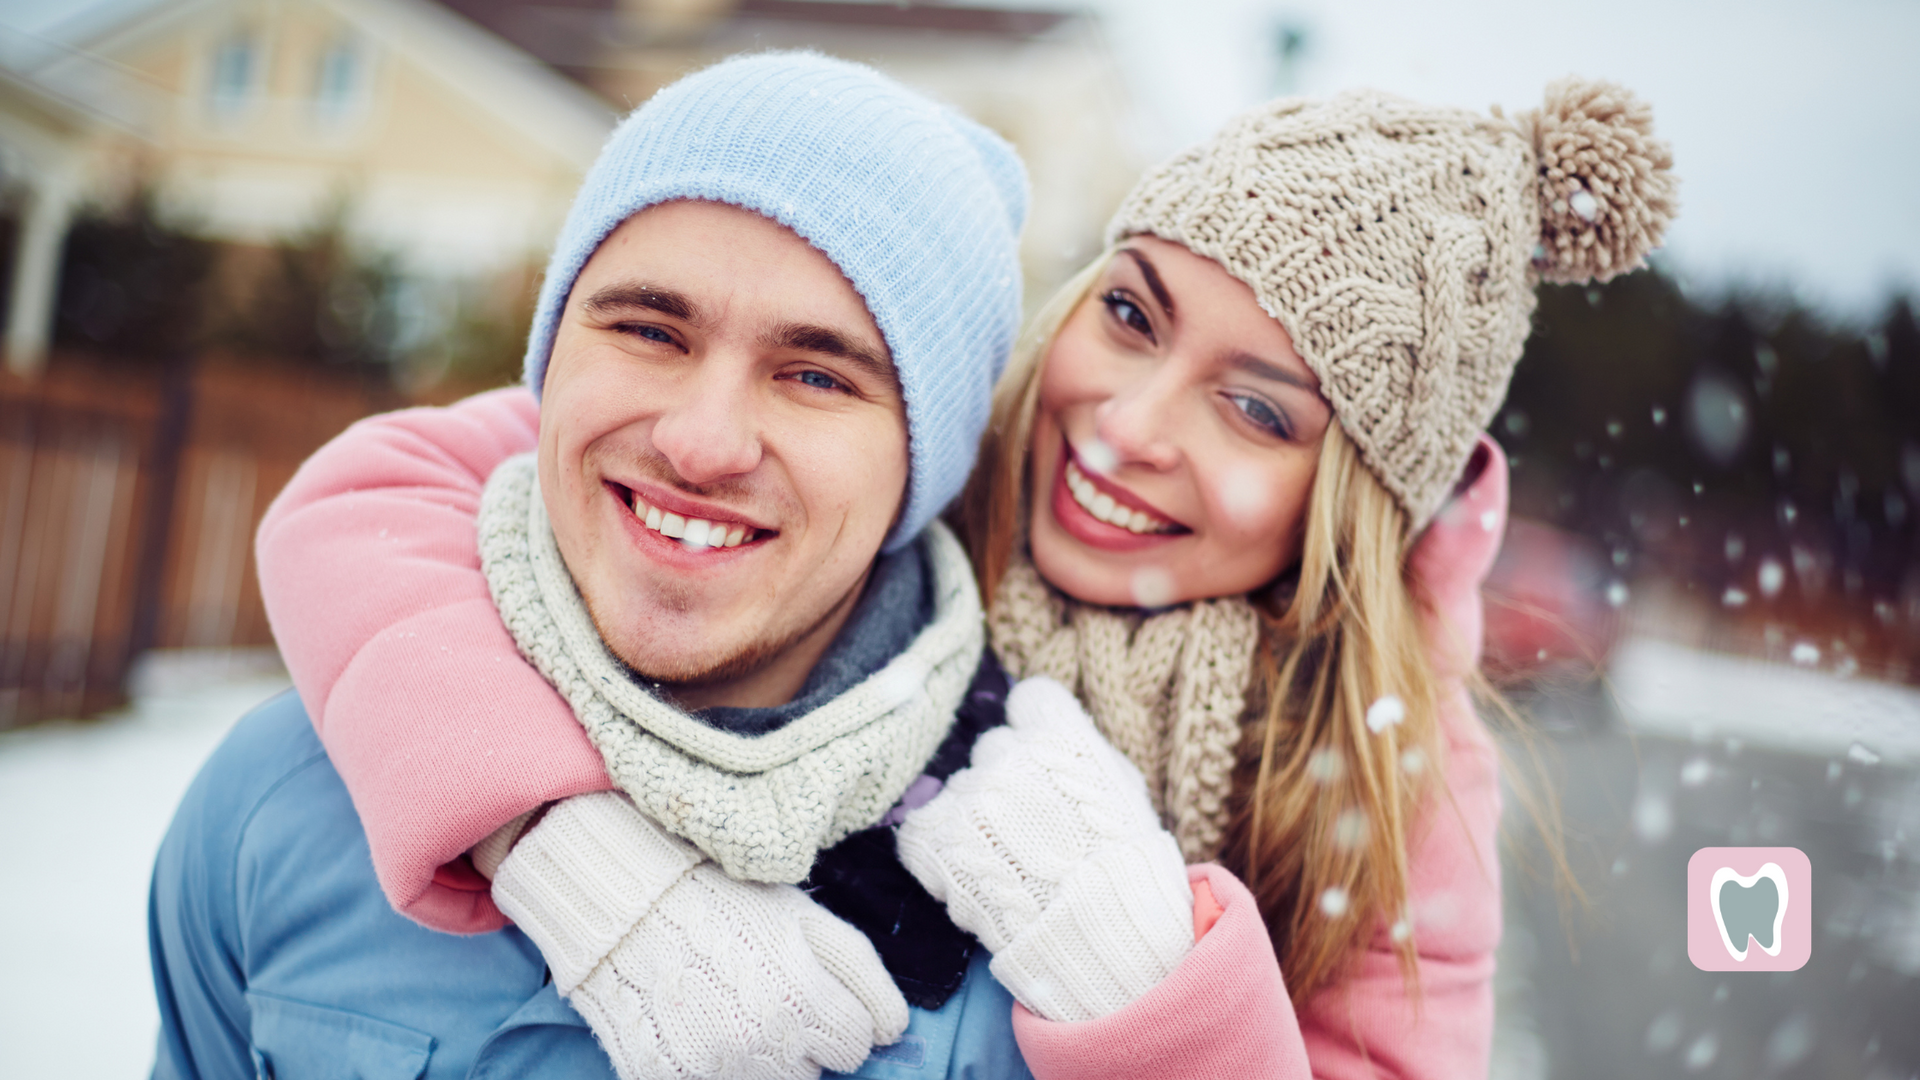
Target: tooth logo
1749, 909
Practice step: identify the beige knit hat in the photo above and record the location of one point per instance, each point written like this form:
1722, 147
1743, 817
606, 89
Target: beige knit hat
1399, 245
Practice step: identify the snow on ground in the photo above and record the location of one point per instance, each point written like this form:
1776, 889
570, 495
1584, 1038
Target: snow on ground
1671, 690
88, 802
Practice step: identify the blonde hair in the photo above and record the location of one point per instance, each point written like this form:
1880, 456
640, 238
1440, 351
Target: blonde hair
1323, 809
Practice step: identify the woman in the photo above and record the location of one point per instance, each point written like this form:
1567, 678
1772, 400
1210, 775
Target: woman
1212, 507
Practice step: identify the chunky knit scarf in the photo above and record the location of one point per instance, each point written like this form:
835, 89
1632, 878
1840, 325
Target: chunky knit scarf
762, 806
1167, 689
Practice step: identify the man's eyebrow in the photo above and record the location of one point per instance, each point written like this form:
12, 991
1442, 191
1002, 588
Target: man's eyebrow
829, 342
1266, 369
1154, 285
617, 298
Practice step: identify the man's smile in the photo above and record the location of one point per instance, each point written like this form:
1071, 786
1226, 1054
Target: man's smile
698, 527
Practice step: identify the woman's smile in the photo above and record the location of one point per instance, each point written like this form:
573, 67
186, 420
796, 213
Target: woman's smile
1099, 512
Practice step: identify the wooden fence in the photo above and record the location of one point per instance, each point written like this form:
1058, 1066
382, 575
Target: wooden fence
129, 494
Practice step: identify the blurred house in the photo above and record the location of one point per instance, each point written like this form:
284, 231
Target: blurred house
449, 136
433, 141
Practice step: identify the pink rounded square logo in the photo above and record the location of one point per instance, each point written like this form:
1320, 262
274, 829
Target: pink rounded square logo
1749, 909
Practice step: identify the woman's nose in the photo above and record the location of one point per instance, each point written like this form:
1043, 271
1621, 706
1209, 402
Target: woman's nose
710, 432
1137, 422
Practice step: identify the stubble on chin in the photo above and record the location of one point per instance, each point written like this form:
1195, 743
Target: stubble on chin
712, 661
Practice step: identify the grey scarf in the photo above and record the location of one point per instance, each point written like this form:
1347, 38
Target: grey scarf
762, 806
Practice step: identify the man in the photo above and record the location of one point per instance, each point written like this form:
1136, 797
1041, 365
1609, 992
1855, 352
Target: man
764, 343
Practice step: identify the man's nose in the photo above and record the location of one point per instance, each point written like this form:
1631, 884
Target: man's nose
1138, 421
710, 431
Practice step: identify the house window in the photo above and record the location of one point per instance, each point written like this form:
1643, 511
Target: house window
236, 71
340, 82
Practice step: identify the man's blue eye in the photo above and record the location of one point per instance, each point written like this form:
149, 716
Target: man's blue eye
1262, 414
649, 333
819, 380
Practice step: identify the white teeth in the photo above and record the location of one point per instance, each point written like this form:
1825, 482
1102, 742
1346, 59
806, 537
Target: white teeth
1102, 505
693, 532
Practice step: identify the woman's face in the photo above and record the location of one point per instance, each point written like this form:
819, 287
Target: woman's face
1176, 437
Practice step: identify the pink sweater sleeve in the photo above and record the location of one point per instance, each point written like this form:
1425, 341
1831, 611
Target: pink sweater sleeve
371, 576
1225, 1010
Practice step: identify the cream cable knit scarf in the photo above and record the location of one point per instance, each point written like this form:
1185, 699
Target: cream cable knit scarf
760, 806
1166, 689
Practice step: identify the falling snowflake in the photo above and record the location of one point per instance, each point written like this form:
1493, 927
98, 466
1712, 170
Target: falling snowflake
1652, 817
1152, 587
1664, 1033
1772, 577
1350, 829
1244, 495
1385, 713
1702, 1052
1325, 765
1097, 455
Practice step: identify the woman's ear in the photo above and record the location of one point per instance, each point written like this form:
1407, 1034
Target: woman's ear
1476, 464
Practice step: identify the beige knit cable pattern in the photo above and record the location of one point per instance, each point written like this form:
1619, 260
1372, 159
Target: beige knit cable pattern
1166, 689
1399, 244
760, 806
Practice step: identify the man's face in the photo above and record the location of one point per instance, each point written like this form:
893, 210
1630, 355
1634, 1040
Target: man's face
715, 374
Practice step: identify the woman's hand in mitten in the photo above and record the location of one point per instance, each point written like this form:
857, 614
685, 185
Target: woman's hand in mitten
1047, 848
683, 971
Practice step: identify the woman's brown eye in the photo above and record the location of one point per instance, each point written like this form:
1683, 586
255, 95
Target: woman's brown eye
1129, 313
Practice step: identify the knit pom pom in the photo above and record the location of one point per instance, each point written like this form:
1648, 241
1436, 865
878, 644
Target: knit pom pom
1607, 189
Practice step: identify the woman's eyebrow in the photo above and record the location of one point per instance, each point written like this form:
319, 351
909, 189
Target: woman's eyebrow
1154, 284
1266, 369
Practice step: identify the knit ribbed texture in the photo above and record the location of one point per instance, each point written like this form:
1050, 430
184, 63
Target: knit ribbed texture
920, 208
1167, 689
1118, 926
1047, 848
1399, 244
761, 806
682, 971
580, 880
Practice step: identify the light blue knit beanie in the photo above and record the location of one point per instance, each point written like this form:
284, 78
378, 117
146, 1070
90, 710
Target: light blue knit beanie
920, 207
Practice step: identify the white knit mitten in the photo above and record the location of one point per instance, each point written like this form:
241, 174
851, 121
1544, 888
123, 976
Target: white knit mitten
683, 971
1048, 850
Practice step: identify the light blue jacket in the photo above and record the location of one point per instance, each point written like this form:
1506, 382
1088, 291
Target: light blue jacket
275, 953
